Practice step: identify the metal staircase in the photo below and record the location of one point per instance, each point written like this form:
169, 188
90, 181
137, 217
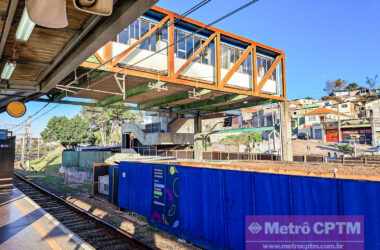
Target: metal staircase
157, 138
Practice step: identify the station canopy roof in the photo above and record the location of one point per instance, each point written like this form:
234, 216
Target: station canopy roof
49, 55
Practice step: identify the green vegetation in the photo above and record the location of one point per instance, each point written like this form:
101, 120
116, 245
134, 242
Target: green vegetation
248, 139
345, 148
69, 132
340, 85
105, 123
54, 158
352, 86
45, 171
95, 125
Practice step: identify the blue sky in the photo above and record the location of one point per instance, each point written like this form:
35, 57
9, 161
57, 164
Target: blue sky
323, 40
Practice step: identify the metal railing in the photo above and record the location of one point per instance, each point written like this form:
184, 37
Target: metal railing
176, 154
363, 160
229, 156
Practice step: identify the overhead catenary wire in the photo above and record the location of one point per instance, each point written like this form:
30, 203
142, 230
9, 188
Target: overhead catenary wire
38, 117
231, 13
195, 7
46, 112
34, 114
227, 15
185, 14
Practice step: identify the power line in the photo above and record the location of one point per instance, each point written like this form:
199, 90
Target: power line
229, 14
38, 117
47, 111
36, 113
186, 13
196, 7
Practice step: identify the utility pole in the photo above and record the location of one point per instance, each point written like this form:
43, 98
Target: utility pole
339, 129
26, 143
38, 147
274, 125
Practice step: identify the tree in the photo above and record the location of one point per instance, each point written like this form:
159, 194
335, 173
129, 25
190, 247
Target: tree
372, 82
54, 129
334, 85
106, 122
352, 86
346, 148
69, 132
248, 139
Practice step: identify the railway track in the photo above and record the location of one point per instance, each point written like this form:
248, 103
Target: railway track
96, 233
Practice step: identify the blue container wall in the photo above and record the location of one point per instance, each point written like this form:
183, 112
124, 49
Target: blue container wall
213, 203
135, 187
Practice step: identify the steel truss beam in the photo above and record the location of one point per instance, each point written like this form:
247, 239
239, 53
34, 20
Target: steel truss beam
129, 93
226, 99
217, 109
269, 73
164, 100
184, 82
195, 55
123, 55
88, 104
236, 66
173, 75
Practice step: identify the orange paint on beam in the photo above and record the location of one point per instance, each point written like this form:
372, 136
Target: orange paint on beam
236, 66
195, 54
269, 73
283, 77
175, 77
171, 46
183, 82
123, 55
254, 69
218, 60
215, 30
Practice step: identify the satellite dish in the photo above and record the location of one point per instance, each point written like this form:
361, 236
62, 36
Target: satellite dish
16, 109
48, 13
96, 7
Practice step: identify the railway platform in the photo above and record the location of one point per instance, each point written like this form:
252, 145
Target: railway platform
25, 225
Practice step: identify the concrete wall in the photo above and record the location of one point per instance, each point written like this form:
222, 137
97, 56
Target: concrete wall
158, 138
182, 125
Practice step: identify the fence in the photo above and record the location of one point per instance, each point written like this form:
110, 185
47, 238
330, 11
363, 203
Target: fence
208, 206
83, 159
178, 154
226, 156
213, 156
365, 160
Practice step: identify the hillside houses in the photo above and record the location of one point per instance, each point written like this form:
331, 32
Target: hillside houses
343, 116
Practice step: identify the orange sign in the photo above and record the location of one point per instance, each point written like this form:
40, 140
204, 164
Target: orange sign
16, 109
